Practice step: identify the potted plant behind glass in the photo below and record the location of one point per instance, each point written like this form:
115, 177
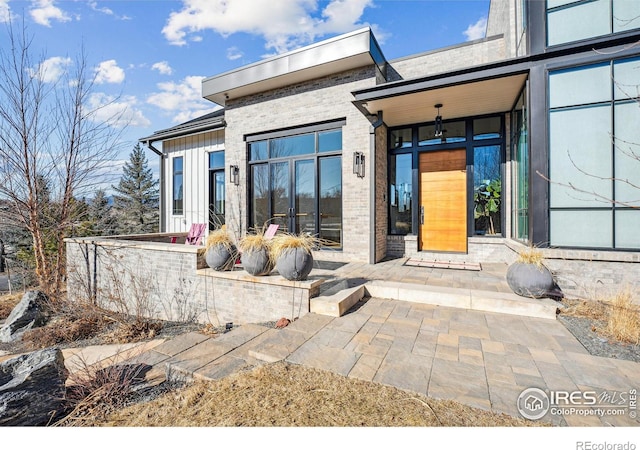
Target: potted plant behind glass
293, 255
255, 253
529, 277
220, 251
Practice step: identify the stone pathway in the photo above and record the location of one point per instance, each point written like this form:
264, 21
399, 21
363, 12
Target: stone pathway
477, 358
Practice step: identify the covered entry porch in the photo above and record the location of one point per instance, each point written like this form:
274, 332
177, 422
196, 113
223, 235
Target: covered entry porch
448, 188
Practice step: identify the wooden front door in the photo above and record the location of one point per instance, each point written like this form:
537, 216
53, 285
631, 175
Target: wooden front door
443, 201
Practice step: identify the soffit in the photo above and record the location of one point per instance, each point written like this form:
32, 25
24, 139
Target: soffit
468, 99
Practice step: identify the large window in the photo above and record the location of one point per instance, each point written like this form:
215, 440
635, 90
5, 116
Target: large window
574, 20
178, 188
520, 171
594, 157
296, 182
216, 190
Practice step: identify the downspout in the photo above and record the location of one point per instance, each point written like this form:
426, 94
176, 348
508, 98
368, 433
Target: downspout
372, 191
163, 201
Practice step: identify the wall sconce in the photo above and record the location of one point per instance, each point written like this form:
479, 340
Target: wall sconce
358, 164
234, 175
438, 132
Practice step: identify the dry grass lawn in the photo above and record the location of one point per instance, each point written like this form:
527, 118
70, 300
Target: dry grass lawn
283, 395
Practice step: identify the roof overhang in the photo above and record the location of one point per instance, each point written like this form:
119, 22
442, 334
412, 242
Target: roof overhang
468, 94
345, 52
186, 129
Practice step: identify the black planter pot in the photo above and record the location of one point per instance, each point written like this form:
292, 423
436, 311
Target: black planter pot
294, 264
257, 263
221, 257
531, 280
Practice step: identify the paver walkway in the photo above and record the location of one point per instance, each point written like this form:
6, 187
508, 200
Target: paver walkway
477, 358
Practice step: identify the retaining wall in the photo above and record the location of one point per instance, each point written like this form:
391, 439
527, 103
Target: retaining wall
172, 282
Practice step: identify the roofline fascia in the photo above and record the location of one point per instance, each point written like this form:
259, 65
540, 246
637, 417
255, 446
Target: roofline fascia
164, 135
496, 69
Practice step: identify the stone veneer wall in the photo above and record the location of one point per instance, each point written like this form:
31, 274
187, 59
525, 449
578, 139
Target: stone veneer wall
448, 59
172, 282
321, 100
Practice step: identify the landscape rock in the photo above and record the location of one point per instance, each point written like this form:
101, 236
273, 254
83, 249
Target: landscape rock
28, 314
283, 322
32, 388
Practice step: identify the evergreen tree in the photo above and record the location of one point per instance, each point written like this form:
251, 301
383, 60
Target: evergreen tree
137, 196
100, 215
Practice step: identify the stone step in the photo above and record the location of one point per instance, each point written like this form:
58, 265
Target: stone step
340, 302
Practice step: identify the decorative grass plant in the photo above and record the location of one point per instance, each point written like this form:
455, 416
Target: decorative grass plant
220, 250
219, 236
531, 256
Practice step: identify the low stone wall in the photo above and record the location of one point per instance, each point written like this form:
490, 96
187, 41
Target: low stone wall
172, 282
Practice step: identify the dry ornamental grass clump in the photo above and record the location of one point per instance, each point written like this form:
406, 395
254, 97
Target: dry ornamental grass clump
219, 236
531, 256
623, 318
615, 315
286, 241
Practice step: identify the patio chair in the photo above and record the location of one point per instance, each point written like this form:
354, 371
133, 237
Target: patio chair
195, 235
271, 231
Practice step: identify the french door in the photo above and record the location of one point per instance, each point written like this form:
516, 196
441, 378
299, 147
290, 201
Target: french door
301, 195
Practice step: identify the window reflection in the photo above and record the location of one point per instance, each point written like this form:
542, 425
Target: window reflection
487, 190
400, 190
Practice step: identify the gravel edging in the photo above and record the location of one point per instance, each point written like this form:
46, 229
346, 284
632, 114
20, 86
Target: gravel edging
595, 344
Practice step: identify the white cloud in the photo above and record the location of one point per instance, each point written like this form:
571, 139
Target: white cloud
52, 69
234, 53
116, 111
284, 24
476, 30
5, 11
109, 72
44, 11
183, 100
163, 67
104, 10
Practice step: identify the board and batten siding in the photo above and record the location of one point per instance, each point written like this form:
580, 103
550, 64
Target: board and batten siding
195, 150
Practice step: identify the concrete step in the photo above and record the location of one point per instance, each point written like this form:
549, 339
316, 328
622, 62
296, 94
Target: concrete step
279, 344
338, 303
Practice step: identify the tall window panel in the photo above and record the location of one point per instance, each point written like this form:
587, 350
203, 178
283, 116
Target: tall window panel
520, 171
178, 186
400, 191
576, 20
594, 156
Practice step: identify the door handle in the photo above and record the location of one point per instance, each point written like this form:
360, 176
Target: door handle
421, 215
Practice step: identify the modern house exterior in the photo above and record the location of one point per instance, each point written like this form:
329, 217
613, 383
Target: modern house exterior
529, 136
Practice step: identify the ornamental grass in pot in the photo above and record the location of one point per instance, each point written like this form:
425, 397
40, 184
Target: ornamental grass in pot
220, 250
293, 255
529, 277
255, 254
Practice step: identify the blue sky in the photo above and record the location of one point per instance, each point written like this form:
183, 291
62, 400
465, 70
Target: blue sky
149, 56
